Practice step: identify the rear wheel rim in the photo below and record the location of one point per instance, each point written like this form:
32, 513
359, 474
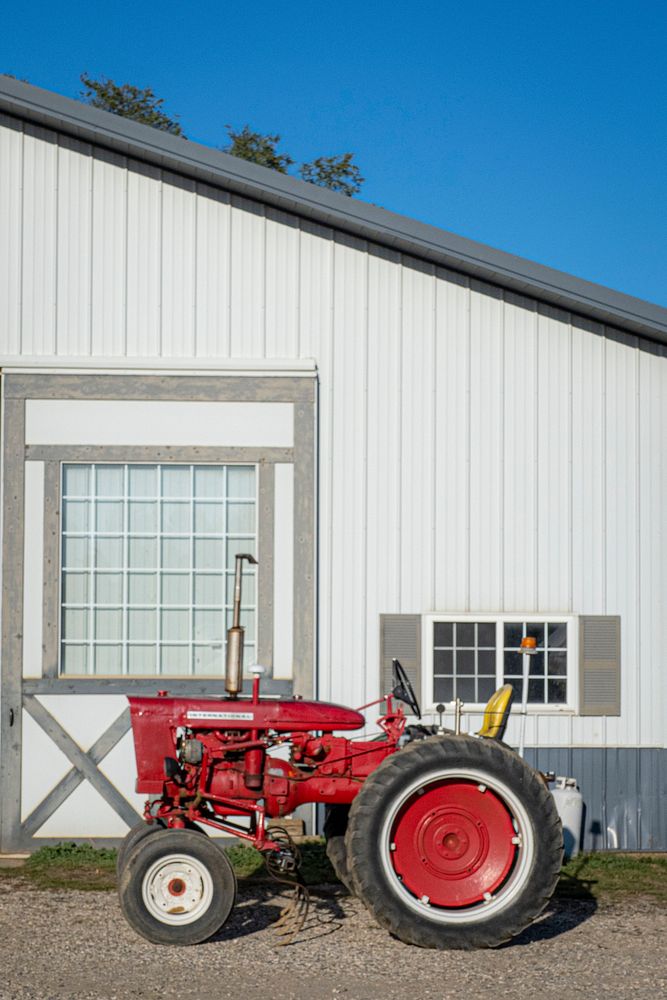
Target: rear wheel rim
177, 889
457, 845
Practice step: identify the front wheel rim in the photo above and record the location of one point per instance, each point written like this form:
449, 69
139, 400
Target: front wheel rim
177, 889
457, 845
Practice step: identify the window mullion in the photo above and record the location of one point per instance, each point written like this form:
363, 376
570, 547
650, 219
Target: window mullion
125, 614
91, 569
225, 560
158, 570
191, 577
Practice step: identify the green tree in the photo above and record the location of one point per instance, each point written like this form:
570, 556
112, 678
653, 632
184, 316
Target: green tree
338, 173
141, 105
257, 148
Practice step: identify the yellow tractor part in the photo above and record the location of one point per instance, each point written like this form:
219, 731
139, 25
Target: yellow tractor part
497, 713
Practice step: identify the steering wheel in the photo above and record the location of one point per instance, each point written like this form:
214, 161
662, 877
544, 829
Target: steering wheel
403, 689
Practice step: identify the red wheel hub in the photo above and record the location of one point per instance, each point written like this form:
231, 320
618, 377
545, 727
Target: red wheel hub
176, 887
452, 845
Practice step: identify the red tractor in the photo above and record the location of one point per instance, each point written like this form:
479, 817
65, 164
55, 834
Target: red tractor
450, 840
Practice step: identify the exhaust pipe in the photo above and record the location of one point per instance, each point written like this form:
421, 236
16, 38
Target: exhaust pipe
234, 664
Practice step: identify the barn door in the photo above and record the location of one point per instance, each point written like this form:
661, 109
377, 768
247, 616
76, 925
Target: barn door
125, 500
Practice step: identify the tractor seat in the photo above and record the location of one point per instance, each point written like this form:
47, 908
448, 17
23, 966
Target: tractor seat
497, 713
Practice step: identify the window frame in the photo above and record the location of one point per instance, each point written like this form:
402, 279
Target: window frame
570, 707
125, 534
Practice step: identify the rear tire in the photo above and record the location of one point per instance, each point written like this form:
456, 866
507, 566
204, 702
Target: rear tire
177, 888
454, 842
335, 826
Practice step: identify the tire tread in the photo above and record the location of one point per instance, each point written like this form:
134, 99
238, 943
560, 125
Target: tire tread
364, 823
165, 842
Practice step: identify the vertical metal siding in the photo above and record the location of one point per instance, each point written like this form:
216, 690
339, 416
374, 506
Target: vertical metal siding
622, 536
589, 507
109, 257
624, 791
343, 475
486, 448
73, 252
418, 385
178, 267
144, 271
477, 450
554, 460
213, 262
520, 455
11, 256
651, 683
383, 466
452, 442
588, 467
38, 244
282, 285
247, 280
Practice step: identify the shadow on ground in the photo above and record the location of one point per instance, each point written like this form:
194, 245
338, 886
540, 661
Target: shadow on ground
561, 915
573, 904
259, 907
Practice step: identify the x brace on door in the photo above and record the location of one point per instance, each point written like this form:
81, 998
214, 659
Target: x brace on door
85, 767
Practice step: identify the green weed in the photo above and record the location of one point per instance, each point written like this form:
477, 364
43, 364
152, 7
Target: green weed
590, 876
613, 875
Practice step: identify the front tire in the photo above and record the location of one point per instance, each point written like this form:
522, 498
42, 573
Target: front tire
177, 888
454, 842
138, 832
133, 837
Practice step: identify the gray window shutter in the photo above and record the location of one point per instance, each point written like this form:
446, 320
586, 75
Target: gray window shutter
599, 665
400, 637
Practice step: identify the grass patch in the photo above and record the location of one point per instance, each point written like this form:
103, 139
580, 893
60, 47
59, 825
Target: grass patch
69, 866
90, 869
600, 876
590, 876
246, 861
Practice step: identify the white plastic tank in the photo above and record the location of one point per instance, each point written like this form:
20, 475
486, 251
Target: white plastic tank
570, 805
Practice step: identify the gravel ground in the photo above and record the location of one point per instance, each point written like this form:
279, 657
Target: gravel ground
77, 945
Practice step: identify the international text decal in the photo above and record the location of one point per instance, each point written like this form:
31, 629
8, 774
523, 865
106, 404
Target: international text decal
229, 716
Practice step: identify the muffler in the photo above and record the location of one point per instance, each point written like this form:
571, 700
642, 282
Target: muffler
234, 664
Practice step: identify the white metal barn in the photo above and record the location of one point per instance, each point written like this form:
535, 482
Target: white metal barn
433, 447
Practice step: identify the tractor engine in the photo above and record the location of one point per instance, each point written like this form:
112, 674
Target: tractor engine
323, 767
209, 759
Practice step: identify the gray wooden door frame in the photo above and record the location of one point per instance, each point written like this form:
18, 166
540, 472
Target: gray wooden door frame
19, 694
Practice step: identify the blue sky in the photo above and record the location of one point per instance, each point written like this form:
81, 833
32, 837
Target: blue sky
537, 128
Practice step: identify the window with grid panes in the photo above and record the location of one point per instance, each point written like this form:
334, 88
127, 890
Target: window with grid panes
547, 673
147, 567
464, 660
472, 658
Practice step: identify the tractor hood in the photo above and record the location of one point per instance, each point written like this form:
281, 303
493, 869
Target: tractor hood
289, 715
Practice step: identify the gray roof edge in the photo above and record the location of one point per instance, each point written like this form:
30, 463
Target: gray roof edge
53, 111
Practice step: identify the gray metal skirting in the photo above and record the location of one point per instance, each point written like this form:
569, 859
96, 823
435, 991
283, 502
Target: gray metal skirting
624, 790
